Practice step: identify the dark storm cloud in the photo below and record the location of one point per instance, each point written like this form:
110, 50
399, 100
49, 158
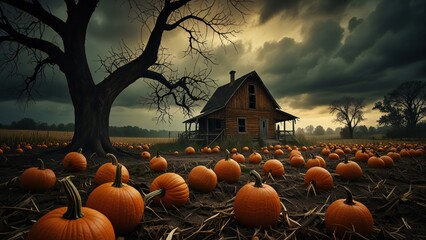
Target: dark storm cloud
353, 23
384, 50
303, 9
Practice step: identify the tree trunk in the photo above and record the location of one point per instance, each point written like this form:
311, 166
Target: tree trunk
91, 131
351, 131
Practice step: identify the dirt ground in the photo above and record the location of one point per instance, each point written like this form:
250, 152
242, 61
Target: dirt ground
395, 196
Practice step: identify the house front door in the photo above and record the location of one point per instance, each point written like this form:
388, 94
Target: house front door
263, 132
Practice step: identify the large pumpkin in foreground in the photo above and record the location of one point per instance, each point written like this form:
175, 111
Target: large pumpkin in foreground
345, 216
72, 222
256, 204
171, 190
120, 202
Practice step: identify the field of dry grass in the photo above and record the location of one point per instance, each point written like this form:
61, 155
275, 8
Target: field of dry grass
12, 137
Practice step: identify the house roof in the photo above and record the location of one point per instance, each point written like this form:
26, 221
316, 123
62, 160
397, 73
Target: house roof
224, 93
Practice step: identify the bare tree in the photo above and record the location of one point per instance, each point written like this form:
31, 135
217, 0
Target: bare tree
25, 26
348, 111
404, 107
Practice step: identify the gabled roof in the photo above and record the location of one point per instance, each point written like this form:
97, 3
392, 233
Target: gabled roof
224, 93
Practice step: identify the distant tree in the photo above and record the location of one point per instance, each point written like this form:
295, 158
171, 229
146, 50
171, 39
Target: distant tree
24, 123
309, 129
372, 130
338, 129
300, 131
362, 130
329, 131
404, 107
348, 111
319, 130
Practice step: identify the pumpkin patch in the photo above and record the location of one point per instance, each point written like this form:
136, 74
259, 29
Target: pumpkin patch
189, 200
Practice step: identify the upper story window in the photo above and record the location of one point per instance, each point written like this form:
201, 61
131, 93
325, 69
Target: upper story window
252, 96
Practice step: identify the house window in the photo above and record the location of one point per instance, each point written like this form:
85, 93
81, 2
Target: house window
252, 96
241, 125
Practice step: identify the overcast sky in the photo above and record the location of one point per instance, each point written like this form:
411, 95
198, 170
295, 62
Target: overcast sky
307, 52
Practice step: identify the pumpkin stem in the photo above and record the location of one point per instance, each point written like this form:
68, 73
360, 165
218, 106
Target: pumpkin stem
74, 200
158, 154
345, 159
80, 150
349, 198
227, 157
258, 179
151, 195
312, 155
363, 149
114, 160
118, 183
41, 164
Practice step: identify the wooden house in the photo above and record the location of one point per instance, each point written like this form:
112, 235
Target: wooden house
242, 106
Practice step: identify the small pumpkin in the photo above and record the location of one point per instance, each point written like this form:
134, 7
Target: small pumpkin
169, 189
37, 178
75, 161
256, 204
333, 156
320, 178
189, 150
146, 155
387, 160
273, 167
158, 163
255, 157
238, 157
345, 216
227, 169
297, 161
315, 161
362, 155
106, 172
202, 179
72, 222
121, 203
325, 151
349, 170
375, 162
278, 152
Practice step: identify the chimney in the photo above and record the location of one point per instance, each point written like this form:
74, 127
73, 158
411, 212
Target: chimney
232, 75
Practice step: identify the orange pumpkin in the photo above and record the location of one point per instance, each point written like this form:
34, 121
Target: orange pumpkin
273, 167
75, 161
297, 161
255, 157
256, 204
37, 179
145, 155
362, 155
325, 151
189, 150
320, 178
202, 179
345, 216
349, 170
169, 189
158, 163
238, 157
333, 156
106, 172
227, 169
122, 204
375, 162
387, 160
72, 222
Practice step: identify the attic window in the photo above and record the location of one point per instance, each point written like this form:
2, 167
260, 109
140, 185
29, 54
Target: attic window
252, 96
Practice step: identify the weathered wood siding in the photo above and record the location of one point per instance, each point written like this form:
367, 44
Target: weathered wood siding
238, 106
